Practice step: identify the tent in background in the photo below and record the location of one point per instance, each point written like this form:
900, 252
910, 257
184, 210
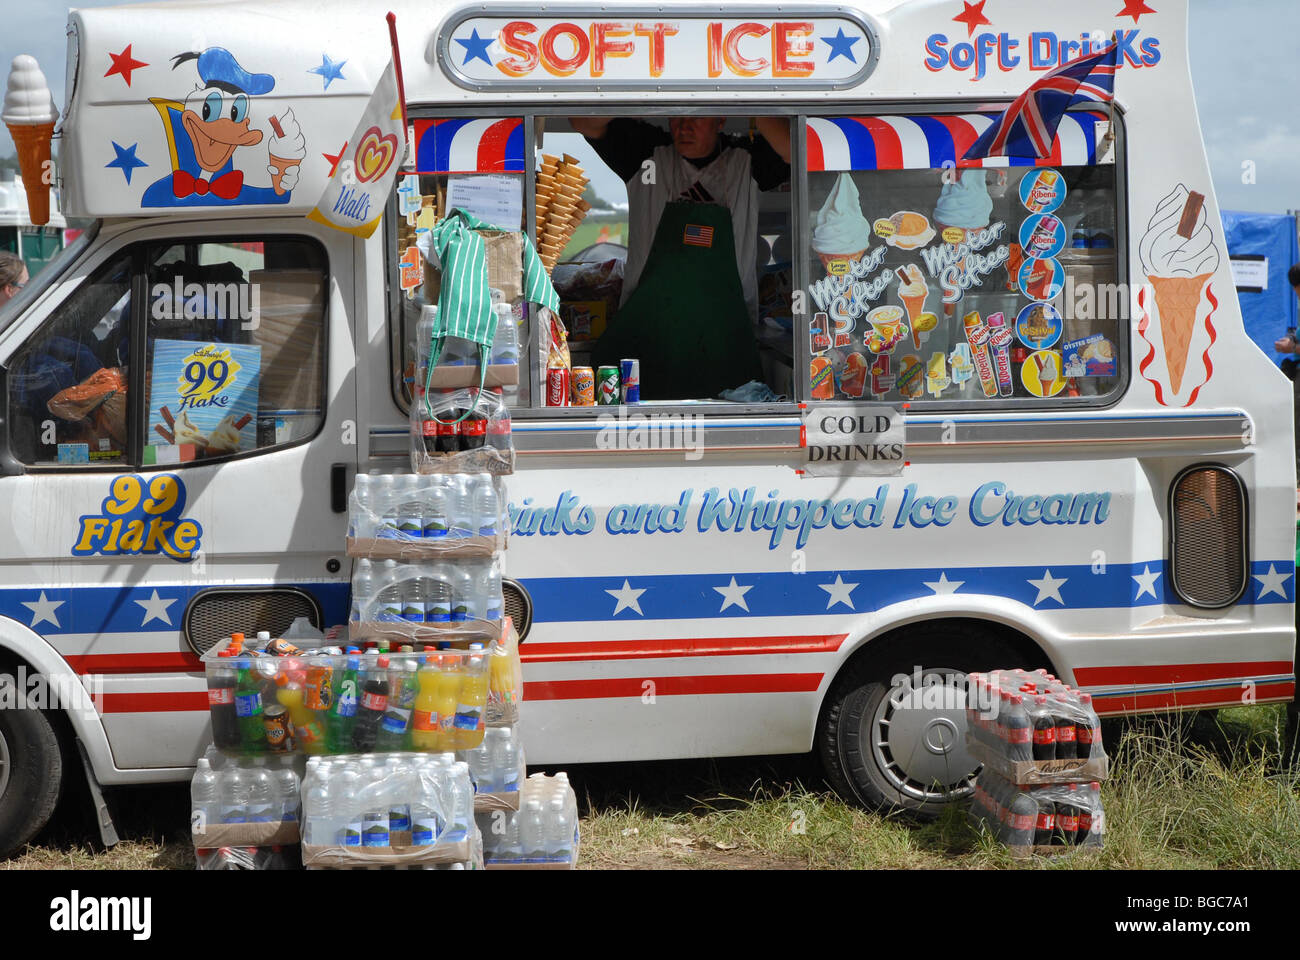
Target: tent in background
1262, 247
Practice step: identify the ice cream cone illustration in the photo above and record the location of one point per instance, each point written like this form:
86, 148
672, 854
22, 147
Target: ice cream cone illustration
286, 149
30, 115
913, 292
1179, 258
841, 234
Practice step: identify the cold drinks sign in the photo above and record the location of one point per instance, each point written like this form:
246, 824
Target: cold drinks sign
845, 440
645, 49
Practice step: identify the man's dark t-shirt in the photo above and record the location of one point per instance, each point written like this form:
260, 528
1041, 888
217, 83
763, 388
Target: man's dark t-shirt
628, 143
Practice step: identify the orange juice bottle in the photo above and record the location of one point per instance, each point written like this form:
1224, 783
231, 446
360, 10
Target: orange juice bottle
501, 676
307, 731
446, 695
472, 702
425, 728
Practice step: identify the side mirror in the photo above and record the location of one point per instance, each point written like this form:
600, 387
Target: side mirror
9, 467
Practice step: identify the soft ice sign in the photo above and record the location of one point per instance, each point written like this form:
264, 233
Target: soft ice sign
644, 49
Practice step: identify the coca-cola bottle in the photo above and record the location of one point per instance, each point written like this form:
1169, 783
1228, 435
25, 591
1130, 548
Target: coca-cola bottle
1067, 817
1023, 820
1019, 735
1087, 728
472, 431
1096, 818
1044, 729
1066, 748
438, 431
499, 427
1045, 823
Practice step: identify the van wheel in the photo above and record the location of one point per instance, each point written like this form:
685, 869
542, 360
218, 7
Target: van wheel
31, 773
891, 744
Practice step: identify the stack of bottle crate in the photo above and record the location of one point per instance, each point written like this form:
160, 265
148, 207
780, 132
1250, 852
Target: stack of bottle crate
1039, 741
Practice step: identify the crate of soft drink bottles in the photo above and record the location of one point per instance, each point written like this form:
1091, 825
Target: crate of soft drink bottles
267, 696
461, 431
436, 517
389, 809
1031, 728
541, 834
426, 600
1049, 818
245, 813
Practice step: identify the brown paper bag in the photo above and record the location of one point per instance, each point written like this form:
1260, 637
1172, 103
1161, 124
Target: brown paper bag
505, 262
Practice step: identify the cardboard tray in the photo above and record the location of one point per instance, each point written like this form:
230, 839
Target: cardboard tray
473, 630
1029, 772
281, 833
336, 857
466, 375
570, 864
376, 548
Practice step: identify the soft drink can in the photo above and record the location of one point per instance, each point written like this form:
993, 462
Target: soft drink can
276, 720
318, 693
557, 386
607, 393
584, 387
630, 372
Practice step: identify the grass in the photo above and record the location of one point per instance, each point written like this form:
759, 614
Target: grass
1207, 792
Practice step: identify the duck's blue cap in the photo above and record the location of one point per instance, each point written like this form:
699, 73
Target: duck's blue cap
218, 68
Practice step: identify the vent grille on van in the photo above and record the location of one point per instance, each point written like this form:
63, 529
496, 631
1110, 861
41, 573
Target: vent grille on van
215, 614
1208, 550
518, 606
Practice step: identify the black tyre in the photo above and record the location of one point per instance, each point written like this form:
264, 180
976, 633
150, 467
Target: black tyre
31, 770
890, 744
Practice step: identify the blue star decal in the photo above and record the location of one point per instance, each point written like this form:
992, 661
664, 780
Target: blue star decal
841, 45
329, 69
126, 160
476, 48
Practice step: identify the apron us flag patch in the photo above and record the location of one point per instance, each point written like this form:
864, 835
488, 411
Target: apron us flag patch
696, 235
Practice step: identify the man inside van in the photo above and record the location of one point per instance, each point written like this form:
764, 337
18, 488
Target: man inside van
690, 289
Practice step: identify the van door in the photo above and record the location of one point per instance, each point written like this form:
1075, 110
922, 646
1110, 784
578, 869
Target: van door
167, 503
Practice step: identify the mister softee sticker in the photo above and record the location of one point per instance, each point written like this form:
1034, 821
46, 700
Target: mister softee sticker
140, 515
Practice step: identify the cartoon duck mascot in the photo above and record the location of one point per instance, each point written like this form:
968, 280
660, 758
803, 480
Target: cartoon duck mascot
204, 132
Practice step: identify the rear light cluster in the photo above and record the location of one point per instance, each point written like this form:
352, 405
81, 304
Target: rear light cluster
1208, 549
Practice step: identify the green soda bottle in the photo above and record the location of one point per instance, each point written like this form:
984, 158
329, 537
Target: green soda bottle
343, 711
248, 708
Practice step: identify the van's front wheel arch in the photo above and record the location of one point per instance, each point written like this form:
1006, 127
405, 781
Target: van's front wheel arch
31, 768
896, 744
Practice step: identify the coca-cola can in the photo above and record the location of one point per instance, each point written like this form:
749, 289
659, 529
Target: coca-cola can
630, 373
557, 387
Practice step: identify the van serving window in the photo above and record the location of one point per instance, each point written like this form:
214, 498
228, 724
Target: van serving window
936, 280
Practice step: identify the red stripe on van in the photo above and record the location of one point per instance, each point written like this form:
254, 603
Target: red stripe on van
152, 702
683, 647
620, 687
1225, 697
1178, 672
135, 663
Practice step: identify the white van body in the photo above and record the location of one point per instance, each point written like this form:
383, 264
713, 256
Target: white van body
659, 630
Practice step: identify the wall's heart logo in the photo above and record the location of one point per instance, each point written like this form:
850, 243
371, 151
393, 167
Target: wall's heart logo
375, 154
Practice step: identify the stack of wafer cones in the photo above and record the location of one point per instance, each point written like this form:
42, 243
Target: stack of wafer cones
560, 207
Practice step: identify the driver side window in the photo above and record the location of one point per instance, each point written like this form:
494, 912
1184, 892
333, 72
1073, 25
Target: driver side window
68, 383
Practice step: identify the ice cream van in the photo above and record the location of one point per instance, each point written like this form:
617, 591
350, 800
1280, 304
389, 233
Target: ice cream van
904, 412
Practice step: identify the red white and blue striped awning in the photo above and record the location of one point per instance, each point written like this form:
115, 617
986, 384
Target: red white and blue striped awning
929, 142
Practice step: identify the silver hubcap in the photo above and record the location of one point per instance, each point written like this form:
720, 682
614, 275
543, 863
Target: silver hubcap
918, 736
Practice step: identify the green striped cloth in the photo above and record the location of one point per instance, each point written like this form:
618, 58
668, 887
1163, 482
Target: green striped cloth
464, 304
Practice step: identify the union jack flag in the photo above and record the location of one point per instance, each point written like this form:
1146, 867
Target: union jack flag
1028, 127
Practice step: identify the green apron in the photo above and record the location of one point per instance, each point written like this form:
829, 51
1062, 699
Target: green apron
686, 321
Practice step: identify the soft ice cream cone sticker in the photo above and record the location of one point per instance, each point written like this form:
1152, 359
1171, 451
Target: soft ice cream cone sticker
30, 115
1178, 257
841, 234
913, 291
1041, 373
285, 150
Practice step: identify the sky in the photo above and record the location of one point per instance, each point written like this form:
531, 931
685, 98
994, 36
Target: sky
1244, 68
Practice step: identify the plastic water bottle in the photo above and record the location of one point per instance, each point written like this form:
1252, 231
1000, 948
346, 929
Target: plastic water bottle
559, 823
363, 589
462, 590
499, 435
505, 346
234, 798
457, 352
386, 505
205, 806
361, 522
532, 831
461, 805
348, 808
461, 522
398, 784
318, 810
375, 828
505, 760
413, 600
486, 506
493, 598
409, 492
286, 794
438, 599
261, 794
435, 504
480, 764
389, 592
424, 333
